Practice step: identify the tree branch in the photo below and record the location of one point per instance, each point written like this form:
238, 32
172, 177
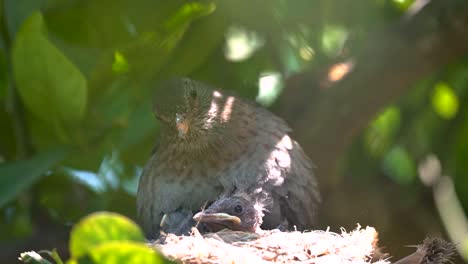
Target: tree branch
326, 114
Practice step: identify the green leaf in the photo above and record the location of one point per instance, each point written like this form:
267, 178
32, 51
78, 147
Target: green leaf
398, 165
3, 71
402, 5
382, 131
444, 101
122, 252
120, 64
333, 38
55, 256
187, 13
18, 176
102, 227
140, 124
50, 86
203, 37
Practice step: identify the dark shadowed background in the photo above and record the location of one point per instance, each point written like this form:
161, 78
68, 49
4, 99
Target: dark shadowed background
376, 92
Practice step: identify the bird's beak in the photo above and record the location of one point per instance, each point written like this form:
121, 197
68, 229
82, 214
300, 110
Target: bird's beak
216, 218
182, 126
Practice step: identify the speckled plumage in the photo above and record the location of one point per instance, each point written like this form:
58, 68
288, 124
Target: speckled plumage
221, 144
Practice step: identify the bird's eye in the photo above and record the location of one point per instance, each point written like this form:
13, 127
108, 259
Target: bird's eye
238, 209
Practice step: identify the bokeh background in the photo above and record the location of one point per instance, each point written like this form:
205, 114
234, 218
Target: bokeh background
376, 92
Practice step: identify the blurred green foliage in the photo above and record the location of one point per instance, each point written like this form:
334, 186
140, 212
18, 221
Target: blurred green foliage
102, 238
76, 79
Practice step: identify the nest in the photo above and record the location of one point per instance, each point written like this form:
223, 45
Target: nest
272, 246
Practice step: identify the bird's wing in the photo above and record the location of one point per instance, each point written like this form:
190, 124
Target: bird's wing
161, 192
300, 194
289, 174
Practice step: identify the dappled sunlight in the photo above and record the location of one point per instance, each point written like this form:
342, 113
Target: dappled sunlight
333, 39
120, 64
382, 131
270, 86
338, 71
282, 156
212, 113
110, 170
367, 88
444, 101
215, 112
226, 114
306, 52
88, 178
108, 177
217, 94
299, 52
241, 43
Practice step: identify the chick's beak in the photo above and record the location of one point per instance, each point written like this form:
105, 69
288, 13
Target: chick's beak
182, 125
207, 217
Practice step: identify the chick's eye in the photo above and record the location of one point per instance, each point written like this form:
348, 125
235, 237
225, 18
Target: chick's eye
238, 209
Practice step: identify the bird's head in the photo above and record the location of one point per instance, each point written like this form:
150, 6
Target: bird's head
238, 212
192, 114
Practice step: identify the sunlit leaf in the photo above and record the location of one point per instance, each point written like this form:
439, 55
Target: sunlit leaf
444, 101
333, 38
269, 88
50, 86
122, 252
120, 64
18, 176
161, 46
291, 59
188, 12
55, 256
241, 43
382, 131
402, 5
203, 36
106, 121
398, 165
99, 228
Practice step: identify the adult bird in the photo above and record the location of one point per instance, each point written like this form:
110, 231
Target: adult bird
213, 143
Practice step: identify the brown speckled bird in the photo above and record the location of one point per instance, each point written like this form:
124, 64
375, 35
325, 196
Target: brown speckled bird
213, 143
238, 212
